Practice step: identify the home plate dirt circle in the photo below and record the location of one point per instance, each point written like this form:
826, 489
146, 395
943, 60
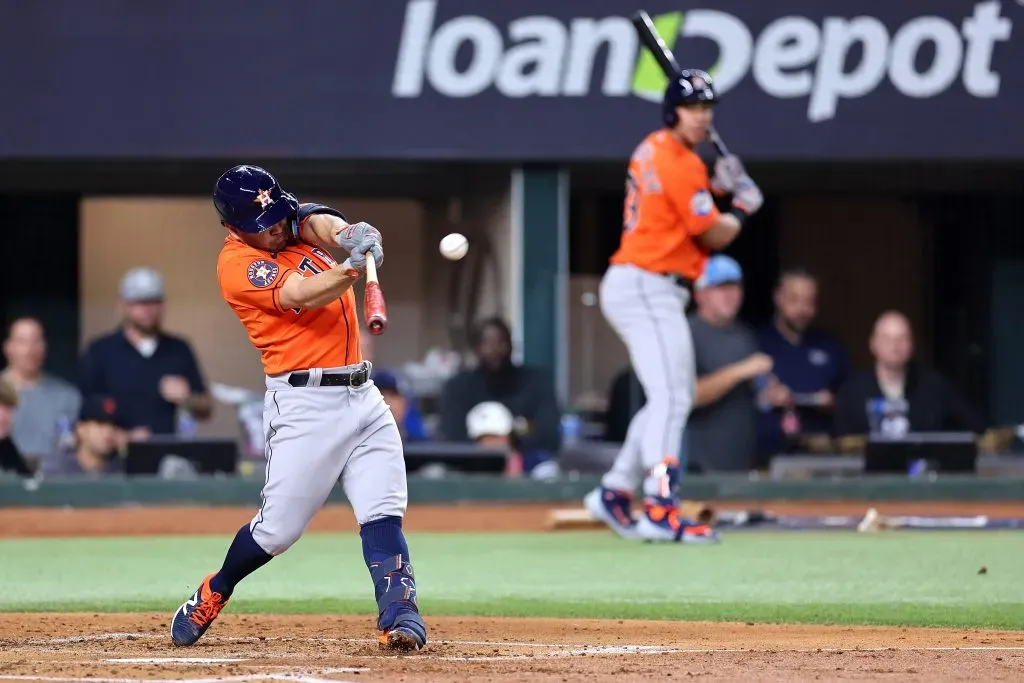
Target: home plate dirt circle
123, 648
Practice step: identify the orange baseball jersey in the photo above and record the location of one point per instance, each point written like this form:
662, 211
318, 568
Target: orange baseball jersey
288, 339
668, 203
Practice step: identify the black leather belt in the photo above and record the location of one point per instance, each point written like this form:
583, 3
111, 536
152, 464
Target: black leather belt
348, 378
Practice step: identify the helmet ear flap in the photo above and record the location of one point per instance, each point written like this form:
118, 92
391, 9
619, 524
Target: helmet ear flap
669, 115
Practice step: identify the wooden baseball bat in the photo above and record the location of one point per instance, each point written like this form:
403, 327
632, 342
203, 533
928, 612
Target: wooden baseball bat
667, 61
374, 308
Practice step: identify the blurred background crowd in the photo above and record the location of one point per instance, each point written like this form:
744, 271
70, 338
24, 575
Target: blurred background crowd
786, 386
875, 295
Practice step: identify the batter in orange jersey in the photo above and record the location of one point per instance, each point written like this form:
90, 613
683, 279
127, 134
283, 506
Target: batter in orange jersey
324, 419
288, 338
670, 225
667, 205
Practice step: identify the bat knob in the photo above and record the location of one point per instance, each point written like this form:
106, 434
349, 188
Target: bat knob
376, 326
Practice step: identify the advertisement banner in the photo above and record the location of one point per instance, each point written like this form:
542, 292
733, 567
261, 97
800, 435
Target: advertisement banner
527, 80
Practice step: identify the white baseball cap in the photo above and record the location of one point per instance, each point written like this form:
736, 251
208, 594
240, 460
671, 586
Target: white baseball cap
142, 284
489, 418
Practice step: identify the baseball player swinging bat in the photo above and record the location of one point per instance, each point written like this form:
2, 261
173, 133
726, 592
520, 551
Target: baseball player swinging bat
667, 61
374, 309
325, 420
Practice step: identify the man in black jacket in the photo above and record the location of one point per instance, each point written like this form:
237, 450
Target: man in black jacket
899, 395
527, 392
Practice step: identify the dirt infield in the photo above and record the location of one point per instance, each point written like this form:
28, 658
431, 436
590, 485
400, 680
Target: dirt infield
121, 648
147, 521
79, 648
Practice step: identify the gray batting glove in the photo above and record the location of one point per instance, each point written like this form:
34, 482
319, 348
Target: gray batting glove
359, 239
729, 172
747, 196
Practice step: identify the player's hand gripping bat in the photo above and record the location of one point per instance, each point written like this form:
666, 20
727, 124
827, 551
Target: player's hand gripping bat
374, 309
667, 61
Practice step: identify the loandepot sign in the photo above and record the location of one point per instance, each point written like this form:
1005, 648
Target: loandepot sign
792, 57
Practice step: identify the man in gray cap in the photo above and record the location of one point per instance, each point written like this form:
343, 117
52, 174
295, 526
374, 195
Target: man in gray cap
153, 376
721, 434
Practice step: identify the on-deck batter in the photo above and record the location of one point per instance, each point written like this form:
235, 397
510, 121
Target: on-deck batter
323, 418
670, 224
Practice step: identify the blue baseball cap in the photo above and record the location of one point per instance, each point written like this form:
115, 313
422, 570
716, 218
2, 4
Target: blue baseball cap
385, 381
720, 270
98, 409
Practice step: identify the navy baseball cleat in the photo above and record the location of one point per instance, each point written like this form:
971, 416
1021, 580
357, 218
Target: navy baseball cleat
196, 614
612, 508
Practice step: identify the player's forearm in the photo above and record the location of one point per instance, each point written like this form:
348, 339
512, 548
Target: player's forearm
712, 387
721, 234
318, 290
322, 229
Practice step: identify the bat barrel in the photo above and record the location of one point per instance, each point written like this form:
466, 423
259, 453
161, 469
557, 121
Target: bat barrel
374, 308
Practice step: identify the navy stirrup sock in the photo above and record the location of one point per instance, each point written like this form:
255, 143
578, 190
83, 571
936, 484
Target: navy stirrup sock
383, 539
244, 557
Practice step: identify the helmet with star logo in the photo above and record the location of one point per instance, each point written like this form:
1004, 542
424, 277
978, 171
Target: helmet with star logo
250, 199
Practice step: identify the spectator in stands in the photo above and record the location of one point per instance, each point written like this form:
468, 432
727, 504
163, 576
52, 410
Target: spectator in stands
47, 405
152, 376
491, 425
10, 457
527, 393
809, 363
721, 433
899, 395
410, 423
96, 447
403, 407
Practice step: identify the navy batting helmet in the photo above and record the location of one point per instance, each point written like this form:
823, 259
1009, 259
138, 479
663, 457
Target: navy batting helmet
691, 86
250, 199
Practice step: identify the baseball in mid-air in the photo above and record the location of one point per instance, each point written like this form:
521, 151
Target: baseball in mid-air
454, 246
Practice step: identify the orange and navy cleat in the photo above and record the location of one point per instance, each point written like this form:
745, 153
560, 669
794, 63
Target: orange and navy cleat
399, 622
661, 522
196, 614
614, 509
409, 636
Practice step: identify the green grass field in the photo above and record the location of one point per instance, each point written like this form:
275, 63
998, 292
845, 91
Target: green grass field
900, 578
